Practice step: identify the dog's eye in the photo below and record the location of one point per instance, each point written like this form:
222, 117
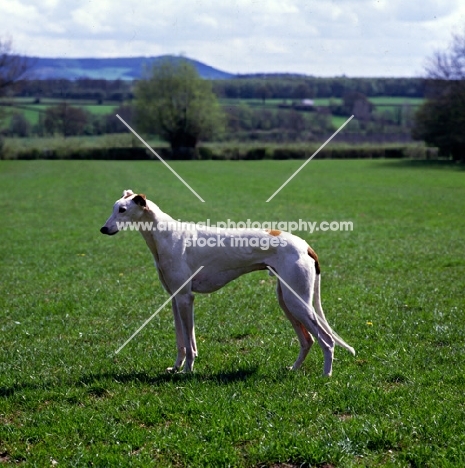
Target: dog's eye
122, 209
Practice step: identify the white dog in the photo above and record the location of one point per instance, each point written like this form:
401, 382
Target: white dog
226, 254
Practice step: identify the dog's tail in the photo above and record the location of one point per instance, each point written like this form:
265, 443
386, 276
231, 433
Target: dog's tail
319, 309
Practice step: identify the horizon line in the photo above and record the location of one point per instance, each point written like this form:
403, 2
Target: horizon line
233, 74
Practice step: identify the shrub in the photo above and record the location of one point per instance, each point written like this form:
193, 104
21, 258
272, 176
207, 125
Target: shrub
205, 153
19, 125
256, 154
290, 153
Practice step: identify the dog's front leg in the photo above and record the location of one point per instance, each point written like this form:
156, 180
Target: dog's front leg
181, 347
185, 310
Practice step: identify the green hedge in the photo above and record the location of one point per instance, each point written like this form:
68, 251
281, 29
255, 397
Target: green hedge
115, 154
281, 153
230, 153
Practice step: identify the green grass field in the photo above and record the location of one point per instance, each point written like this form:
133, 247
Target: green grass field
393, 288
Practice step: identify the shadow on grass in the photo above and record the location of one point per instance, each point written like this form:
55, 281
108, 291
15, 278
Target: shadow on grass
423, 164
89, 380
223, 378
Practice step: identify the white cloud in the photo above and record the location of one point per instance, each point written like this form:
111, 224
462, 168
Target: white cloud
16, 8
423, 11
94, 17
354, 37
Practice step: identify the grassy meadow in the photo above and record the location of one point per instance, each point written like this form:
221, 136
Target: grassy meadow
393, 288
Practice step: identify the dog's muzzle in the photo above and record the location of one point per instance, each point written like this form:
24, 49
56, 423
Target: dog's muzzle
105, 230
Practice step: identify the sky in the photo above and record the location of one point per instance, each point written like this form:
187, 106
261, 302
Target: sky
318, 37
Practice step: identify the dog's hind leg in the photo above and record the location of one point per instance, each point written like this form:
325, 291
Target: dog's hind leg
298, 304
305, 339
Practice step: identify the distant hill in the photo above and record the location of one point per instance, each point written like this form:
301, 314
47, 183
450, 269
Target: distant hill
111, 68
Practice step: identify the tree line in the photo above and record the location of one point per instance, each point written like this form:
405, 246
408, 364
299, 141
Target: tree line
302, 87
263, 87
97, 90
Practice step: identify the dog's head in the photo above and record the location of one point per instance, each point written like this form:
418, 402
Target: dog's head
129, 208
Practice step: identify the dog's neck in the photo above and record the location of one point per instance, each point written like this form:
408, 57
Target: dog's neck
153, 214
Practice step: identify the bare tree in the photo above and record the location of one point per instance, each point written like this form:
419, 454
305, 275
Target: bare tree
13, 67
440, 121
448, 64
65, 119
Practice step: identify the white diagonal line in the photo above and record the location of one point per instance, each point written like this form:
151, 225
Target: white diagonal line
153, 315
311, 157
161, 159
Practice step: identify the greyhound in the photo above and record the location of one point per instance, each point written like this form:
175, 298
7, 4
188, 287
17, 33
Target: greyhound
224, 255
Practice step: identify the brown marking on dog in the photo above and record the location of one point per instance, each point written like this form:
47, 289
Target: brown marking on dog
273, 232
313, 254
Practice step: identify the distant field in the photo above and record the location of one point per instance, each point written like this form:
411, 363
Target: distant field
31, 111
383, 104
392, 288
274, 103
52, 101
399, 101
382, 100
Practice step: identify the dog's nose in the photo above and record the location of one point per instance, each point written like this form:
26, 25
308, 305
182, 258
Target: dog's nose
104, 230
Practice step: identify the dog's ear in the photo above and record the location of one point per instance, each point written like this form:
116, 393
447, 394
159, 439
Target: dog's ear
127, 193
140, 200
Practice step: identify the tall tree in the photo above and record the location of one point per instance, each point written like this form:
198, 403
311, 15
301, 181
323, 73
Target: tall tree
440, 121
175, 103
